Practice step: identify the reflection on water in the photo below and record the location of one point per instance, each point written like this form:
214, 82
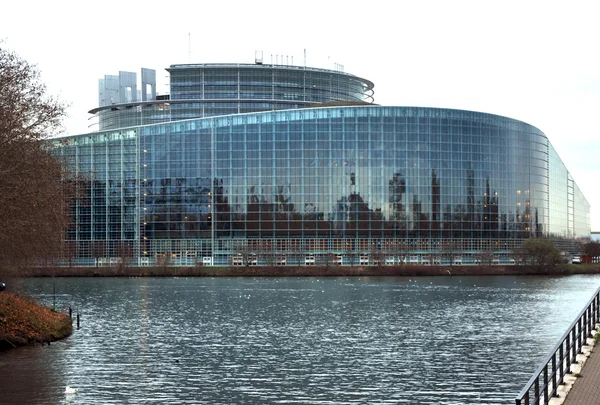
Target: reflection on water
440, 340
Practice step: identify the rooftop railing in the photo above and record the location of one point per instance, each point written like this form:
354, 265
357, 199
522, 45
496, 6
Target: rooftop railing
544, 383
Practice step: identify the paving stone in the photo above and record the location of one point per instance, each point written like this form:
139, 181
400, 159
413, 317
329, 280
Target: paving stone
586, 389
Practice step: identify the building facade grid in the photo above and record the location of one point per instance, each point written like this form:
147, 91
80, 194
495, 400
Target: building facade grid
360, 184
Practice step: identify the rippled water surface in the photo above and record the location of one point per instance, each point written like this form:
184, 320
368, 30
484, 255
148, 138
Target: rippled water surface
440, 340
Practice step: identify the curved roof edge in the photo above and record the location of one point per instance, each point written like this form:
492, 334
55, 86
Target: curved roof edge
178, 66
224, 119
194, 100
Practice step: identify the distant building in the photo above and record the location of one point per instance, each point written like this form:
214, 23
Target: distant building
280, 163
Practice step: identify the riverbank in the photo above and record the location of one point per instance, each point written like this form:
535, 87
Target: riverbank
307, 271
24, 322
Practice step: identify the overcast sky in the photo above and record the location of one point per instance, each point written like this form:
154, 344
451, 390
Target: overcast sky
535, 61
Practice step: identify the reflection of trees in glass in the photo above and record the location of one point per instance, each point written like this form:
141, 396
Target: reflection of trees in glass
490, 212
105, 210
351, 217
282, 200
435, 205
539, 228
339, 217
253, 212
397, 189
222, 210
360, 217
469, 216
420, 220
177, 208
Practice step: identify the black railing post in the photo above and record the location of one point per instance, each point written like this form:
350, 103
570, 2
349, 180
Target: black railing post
588, 318
546, 385
568, 340
536, 390
561, 355
576, 341
574, 344
581, 335
584, 326
554, 376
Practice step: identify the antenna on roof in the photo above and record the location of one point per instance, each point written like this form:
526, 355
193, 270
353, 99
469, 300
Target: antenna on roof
258, 57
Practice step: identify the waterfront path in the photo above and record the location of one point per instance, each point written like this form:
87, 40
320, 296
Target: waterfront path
586, 388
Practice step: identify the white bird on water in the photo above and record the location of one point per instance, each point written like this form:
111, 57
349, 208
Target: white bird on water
70, 390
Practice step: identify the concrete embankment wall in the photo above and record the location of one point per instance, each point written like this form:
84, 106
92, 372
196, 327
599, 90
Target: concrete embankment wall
304, 271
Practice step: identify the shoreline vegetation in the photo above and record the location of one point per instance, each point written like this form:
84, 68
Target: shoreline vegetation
307, 271
24, 322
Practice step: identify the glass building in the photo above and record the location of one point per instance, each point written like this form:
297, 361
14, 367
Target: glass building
268, 164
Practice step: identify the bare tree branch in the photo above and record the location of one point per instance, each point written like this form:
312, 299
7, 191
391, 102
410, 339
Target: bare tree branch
34, 197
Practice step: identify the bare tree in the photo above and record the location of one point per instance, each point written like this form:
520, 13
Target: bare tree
400, 249
34, 202
298, 252
328, 260
269, 252
591, 248
164, 260
449, 250
377, 256
349, 252
125, 254
98, 251
70, 251
485, 257
244, 251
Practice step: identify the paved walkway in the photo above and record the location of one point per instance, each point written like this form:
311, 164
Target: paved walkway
586, 388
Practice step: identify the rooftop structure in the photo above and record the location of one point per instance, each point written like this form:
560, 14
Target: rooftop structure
208, 90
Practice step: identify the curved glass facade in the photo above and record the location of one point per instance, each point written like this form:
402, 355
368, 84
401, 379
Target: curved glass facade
261, 85
134, 114
354, 183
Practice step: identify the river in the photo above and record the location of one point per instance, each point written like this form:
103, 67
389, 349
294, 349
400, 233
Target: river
430, 340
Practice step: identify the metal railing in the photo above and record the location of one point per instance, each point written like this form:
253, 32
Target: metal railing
545, 381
